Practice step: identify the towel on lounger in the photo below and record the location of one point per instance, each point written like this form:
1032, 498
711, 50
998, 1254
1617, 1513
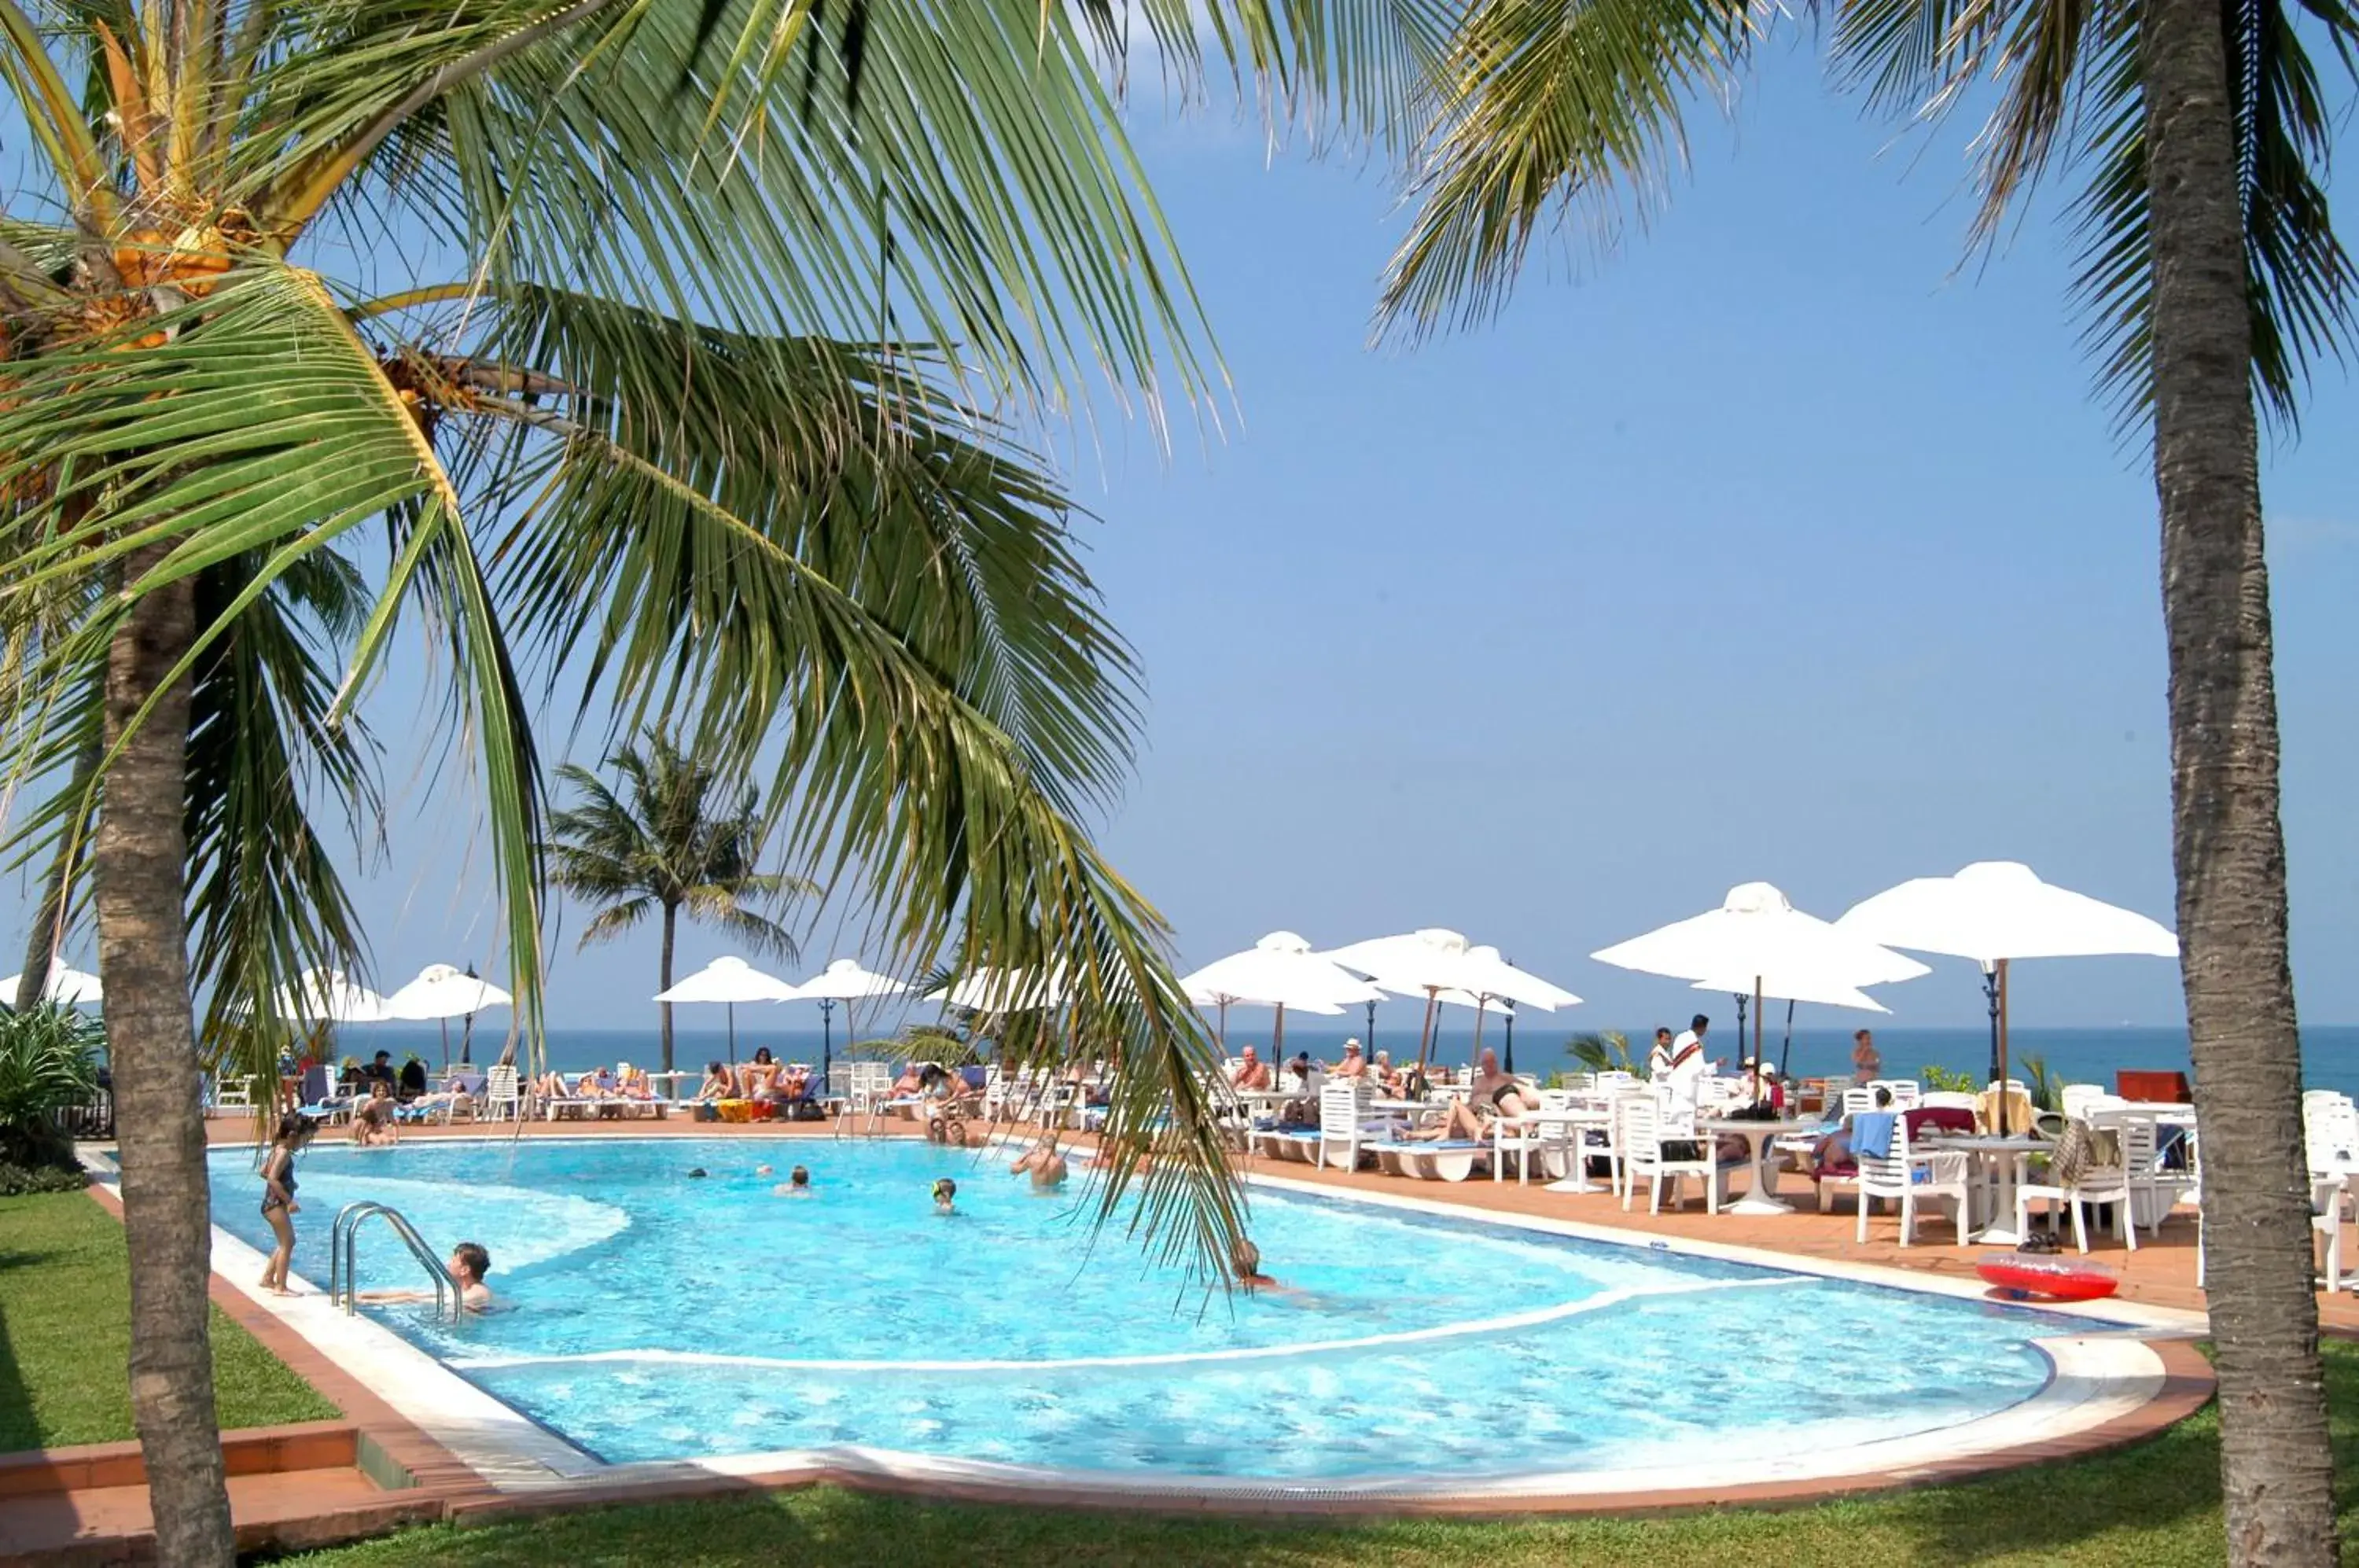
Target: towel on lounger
1871, 1135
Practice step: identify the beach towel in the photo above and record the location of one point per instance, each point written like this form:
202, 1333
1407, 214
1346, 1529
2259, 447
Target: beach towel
1871, 1135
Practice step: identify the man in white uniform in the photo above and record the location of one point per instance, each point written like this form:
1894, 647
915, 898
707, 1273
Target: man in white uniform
1683, 1078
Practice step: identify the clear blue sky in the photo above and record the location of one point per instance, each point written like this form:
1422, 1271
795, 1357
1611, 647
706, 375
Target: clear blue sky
1777, 547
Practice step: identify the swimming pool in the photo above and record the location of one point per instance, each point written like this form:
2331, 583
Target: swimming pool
652, 1316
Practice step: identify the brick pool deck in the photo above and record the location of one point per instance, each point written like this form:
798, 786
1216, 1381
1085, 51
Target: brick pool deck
328, 1482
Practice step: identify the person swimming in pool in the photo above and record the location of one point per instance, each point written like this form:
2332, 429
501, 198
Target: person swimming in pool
469, 1263
795, 1186
945, 1196
1245, 1267
1047, 1166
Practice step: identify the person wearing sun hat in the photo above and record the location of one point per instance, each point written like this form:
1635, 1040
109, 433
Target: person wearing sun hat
1354, 1064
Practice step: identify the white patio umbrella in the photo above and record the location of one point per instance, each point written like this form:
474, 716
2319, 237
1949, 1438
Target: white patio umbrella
1433, 962
1817, 996
68, 986
1279, 971
328, 996
842, 981
442, 992
996, 991
1995, 910
730, 980
1758, 941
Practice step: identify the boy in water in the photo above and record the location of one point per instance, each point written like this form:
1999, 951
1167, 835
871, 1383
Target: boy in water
795, 1186
469, 1263
945, 1196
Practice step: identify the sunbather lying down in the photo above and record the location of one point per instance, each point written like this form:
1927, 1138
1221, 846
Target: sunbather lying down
1458, 1122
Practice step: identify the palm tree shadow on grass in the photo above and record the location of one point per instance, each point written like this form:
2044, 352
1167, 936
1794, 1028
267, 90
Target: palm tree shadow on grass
17, 1419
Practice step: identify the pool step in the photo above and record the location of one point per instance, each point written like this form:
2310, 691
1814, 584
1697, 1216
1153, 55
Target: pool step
290, 1487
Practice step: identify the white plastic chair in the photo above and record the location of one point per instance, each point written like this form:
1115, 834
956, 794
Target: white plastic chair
1912, 1178
502, 1100
1343, 1122
2101, 1186
1906, 1091
1949, 1100
1644, 1134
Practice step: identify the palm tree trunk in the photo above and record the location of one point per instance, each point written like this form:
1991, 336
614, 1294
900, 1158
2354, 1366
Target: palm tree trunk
49, 920
141, 861
671, 922
2229, 849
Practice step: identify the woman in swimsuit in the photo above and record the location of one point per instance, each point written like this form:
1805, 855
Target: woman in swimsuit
278, 1204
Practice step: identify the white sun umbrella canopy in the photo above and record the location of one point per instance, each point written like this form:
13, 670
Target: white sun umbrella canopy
1757, 943
998, 991
1433, 962
329, 996
67, 986
842, 981
1996, 911
1281, 972
442, 992
730, 980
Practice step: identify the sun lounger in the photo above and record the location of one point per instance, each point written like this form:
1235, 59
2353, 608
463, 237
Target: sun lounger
1286, 1143
1429, 1160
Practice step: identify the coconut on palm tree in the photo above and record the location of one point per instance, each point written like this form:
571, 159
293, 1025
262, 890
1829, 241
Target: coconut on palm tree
675, 837
670, 345
2211, 279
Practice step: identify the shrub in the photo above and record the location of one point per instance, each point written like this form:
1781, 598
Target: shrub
1948, 1080
49, 1062
15, 1181
1606, 1052
921, 1043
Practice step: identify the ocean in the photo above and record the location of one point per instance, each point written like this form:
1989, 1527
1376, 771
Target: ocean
2330, 1052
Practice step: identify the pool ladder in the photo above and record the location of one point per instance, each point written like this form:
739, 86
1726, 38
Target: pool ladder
343, 1238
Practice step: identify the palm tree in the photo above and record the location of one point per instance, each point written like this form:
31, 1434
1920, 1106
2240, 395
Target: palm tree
663, 849
668, 344
2212, 278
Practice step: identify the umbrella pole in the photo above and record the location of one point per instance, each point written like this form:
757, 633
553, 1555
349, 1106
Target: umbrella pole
827, 1038
1278, 1039
1424, 1039
1757, 1010
446, 1045
1480, 1003
1786, 1051
1224, 1026
2002, 1054
1741, 999
1511, 1045
1990, 1000
1371, 1031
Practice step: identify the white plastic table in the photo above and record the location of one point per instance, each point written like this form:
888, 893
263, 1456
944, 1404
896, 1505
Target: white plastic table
2007, 1157
1758, 1136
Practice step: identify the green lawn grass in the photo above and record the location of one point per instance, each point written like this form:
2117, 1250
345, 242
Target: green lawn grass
65, 1335
2154, 1506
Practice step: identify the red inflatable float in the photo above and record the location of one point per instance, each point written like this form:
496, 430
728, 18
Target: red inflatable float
2056, 1279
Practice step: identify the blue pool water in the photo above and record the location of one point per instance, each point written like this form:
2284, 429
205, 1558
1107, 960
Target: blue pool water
649, 1316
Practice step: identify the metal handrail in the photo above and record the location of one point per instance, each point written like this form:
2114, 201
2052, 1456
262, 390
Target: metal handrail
342, 1239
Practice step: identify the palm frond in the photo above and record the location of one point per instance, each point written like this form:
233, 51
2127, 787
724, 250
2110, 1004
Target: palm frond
889, 769
858, 466
617, 919
1571, 107
2068, 75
